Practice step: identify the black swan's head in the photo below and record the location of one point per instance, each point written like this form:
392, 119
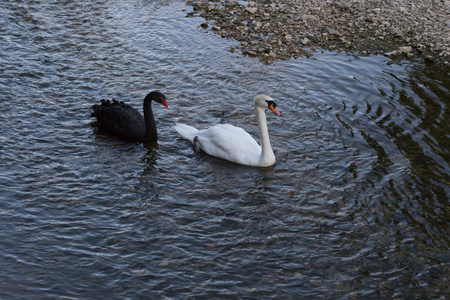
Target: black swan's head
158, 97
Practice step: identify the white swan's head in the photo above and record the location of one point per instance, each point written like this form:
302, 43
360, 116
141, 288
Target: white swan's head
266, 102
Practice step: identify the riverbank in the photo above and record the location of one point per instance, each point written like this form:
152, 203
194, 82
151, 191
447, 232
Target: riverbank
281, 29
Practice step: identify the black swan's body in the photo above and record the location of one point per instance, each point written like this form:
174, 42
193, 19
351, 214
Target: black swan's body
124, 121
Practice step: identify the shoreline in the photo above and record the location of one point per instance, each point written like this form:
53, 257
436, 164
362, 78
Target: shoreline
281, 29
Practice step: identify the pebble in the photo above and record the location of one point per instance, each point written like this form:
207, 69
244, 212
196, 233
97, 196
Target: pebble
251, 10
333, 32
405, 49
391, 54
308, 18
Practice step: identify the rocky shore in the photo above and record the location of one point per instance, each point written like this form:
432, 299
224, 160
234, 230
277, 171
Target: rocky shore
281, 29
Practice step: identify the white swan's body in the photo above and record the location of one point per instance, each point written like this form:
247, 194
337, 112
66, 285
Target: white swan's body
233, 143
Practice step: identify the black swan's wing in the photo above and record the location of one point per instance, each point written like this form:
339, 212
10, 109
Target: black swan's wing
119, 119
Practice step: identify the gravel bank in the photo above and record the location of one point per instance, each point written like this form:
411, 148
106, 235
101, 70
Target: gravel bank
281, 29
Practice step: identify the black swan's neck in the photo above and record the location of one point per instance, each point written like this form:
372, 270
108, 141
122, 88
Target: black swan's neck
150, 126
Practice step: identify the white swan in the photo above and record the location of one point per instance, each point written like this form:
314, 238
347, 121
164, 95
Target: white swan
233, 143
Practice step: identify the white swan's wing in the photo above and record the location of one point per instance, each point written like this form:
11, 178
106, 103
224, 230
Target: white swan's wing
186, 131
229, 142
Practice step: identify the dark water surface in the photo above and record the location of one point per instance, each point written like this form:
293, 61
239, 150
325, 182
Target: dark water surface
355, 208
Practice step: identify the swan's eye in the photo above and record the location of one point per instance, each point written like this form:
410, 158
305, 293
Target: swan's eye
269, 103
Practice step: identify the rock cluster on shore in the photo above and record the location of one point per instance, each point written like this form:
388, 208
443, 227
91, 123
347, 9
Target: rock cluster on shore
281, 29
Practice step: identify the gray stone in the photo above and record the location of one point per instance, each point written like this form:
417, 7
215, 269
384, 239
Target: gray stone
308, 18
333, 32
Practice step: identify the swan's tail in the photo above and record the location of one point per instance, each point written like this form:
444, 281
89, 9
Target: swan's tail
186, 131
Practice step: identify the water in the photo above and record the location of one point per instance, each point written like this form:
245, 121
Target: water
356, 206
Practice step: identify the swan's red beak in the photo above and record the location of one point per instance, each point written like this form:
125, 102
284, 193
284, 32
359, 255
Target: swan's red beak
165, 103
274, 109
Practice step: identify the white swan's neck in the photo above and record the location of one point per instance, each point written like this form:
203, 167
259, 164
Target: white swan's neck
267, 157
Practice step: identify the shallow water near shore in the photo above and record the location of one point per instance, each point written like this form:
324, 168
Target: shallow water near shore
356, 206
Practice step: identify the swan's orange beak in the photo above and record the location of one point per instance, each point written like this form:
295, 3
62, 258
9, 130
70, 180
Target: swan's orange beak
165, 103
274, 109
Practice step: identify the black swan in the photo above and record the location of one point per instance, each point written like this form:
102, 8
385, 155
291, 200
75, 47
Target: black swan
124, 121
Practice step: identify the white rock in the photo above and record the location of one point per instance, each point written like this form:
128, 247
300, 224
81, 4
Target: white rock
251, 10
391, 54
305, 41
405, 49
